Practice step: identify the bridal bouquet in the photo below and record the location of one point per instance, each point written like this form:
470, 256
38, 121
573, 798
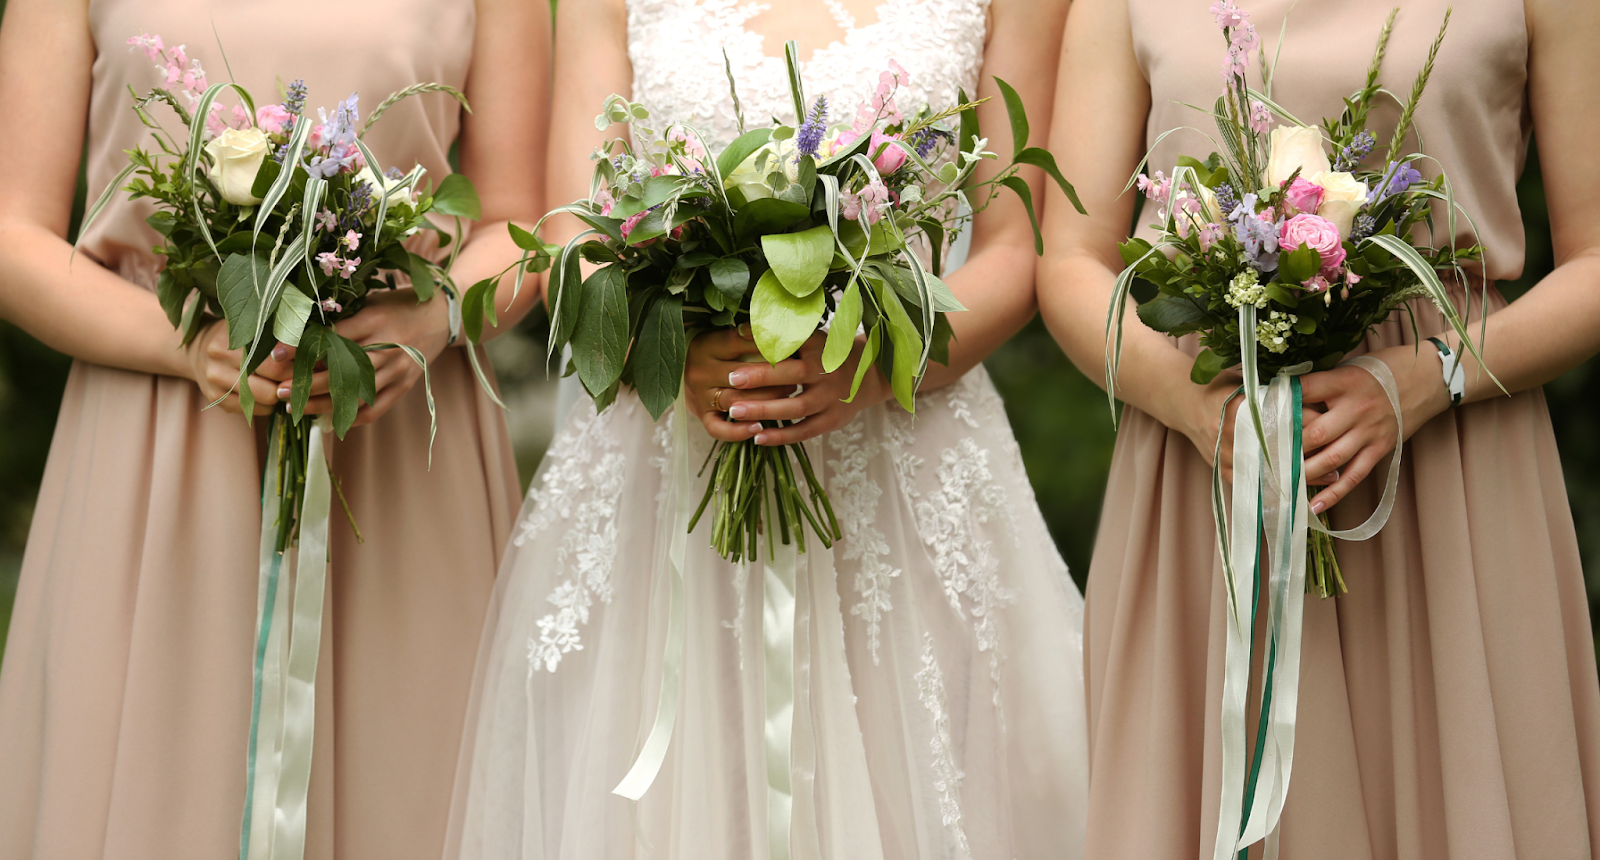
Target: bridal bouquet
281, 224
1282, 260
791, 229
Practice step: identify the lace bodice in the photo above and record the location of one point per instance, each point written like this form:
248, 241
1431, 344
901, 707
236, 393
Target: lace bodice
676, 47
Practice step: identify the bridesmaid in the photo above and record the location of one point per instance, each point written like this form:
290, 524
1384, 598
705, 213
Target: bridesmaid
1449, 705
125, 696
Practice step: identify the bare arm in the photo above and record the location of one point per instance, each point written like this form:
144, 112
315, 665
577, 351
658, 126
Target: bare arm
591, 64
995, 284
74, 306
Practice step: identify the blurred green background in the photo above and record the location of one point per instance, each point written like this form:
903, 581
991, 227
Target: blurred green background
1059, 416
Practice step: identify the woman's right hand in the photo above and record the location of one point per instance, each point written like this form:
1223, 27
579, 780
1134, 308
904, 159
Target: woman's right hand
215, 368
1199, 406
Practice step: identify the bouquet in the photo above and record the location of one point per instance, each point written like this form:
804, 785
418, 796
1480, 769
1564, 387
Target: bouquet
1282, 260
281, 224
791, 229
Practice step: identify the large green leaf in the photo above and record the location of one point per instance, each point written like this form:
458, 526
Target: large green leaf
842, 330
782, 321
171, 290
478, 305
421, 276
600, 338
351, 381
907, 348
800, 260
294, 309
731, 277
313, 346
1299, 265
457, 197
869, 355
768, 215
1173, 315
658, 355
1206, 367
943, 300
742, 147
239, 287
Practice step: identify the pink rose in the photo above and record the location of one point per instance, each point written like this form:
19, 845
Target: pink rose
1304, 195
1313, 231
272, 119
888, 158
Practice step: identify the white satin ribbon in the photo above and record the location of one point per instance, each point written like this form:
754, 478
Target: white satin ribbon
286, 664
777, 633
1284, 512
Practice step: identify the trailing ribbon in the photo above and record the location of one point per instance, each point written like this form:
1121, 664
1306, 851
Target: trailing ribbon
283, 701
1273, 457
786, 645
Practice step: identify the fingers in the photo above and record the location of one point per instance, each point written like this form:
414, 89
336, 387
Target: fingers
721, 429
279, 365
787, 373
723, 344
1335, 456
779, 408
319, 385
813, 426
1350, 477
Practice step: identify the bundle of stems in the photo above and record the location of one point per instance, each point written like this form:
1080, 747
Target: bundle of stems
751, 484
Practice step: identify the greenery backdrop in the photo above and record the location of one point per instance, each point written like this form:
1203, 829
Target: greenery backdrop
1059, 417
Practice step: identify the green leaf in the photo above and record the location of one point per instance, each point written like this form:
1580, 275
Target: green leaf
171, 290
351, 381
238, 289
523, 239
800, 260
1206, 367
1276, 291
1171, 314
564, 298
193, 316
869, 355
457, 197
944, 301
600, 339
1299, 265
742, 148
782, 321
421, 276
1043, 160
313, 346
658, 355
768, 215
1019, 118
939, 344
731, 277
1018, 185
265, 176
294, 310
477, 303
907, 349
655, 191
969, 124
842, 330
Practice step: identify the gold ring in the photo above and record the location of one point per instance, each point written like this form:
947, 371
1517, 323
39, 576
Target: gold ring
716, 399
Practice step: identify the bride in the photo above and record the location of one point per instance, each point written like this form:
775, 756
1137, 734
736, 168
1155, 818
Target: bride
937, 672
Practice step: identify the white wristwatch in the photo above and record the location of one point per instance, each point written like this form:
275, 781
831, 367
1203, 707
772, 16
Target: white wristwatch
1454, 379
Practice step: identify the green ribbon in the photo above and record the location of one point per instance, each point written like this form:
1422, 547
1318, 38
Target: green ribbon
283, 702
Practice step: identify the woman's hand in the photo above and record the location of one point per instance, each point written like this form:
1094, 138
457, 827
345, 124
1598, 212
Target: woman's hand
732, 395
215, 368
389, 317
1357, 432
1200, 409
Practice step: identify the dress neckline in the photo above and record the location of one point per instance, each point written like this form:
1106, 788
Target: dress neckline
841, 16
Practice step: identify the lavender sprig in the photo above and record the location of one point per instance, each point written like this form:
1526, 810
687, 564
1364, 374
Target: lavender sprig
808, 140
1352, 156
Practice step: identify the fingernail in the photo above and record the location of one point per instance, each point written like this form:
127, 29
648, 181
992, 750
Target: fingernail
738, 378
737, 411
744, 331
279, 353
1317, 508
283, 392
761, 438
1335, 476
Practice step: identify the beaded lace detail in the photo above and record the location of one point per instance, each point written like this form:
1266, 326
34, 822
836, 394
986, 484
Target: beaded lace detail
677, 46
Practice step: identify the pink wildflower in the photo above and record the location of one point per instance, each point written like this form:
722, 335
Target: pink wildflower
1157, 188
330, 306
327, 220
348, 267
273, 119
1210, 235
1260, 117
329, 261
351, 240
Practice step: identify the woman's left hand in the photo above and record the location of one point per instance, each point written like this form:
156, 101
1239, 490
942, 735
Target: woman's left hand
390, 316
1357, 432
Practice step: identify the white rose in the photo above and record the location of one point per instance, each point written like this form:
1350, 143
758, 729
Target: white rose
1295, 149
747, 179
1343, 196
391, 188
236, 156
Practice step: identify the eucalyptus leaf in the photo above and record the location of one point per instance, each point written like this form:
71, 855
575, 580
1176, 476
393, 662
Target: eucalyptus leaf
800, 260
782, 321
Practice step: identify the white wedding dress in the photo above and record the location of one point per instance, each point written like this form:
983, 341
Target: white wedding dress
938, 673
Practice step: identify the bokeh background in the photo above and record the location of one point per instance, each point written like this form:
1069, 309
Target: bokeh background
1059, 416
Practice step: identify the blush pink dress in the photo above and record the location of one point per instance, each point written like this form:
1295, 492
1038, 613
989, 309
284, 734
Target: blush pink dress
1449, 706
125, 694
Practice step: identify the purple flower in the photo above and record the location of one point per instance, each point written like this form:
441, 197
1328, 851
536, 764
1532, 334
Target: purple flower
1258, 235
1353, 154
295, 100
1227, 199
1365, 226
1396, 180
924, 140
809, 138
